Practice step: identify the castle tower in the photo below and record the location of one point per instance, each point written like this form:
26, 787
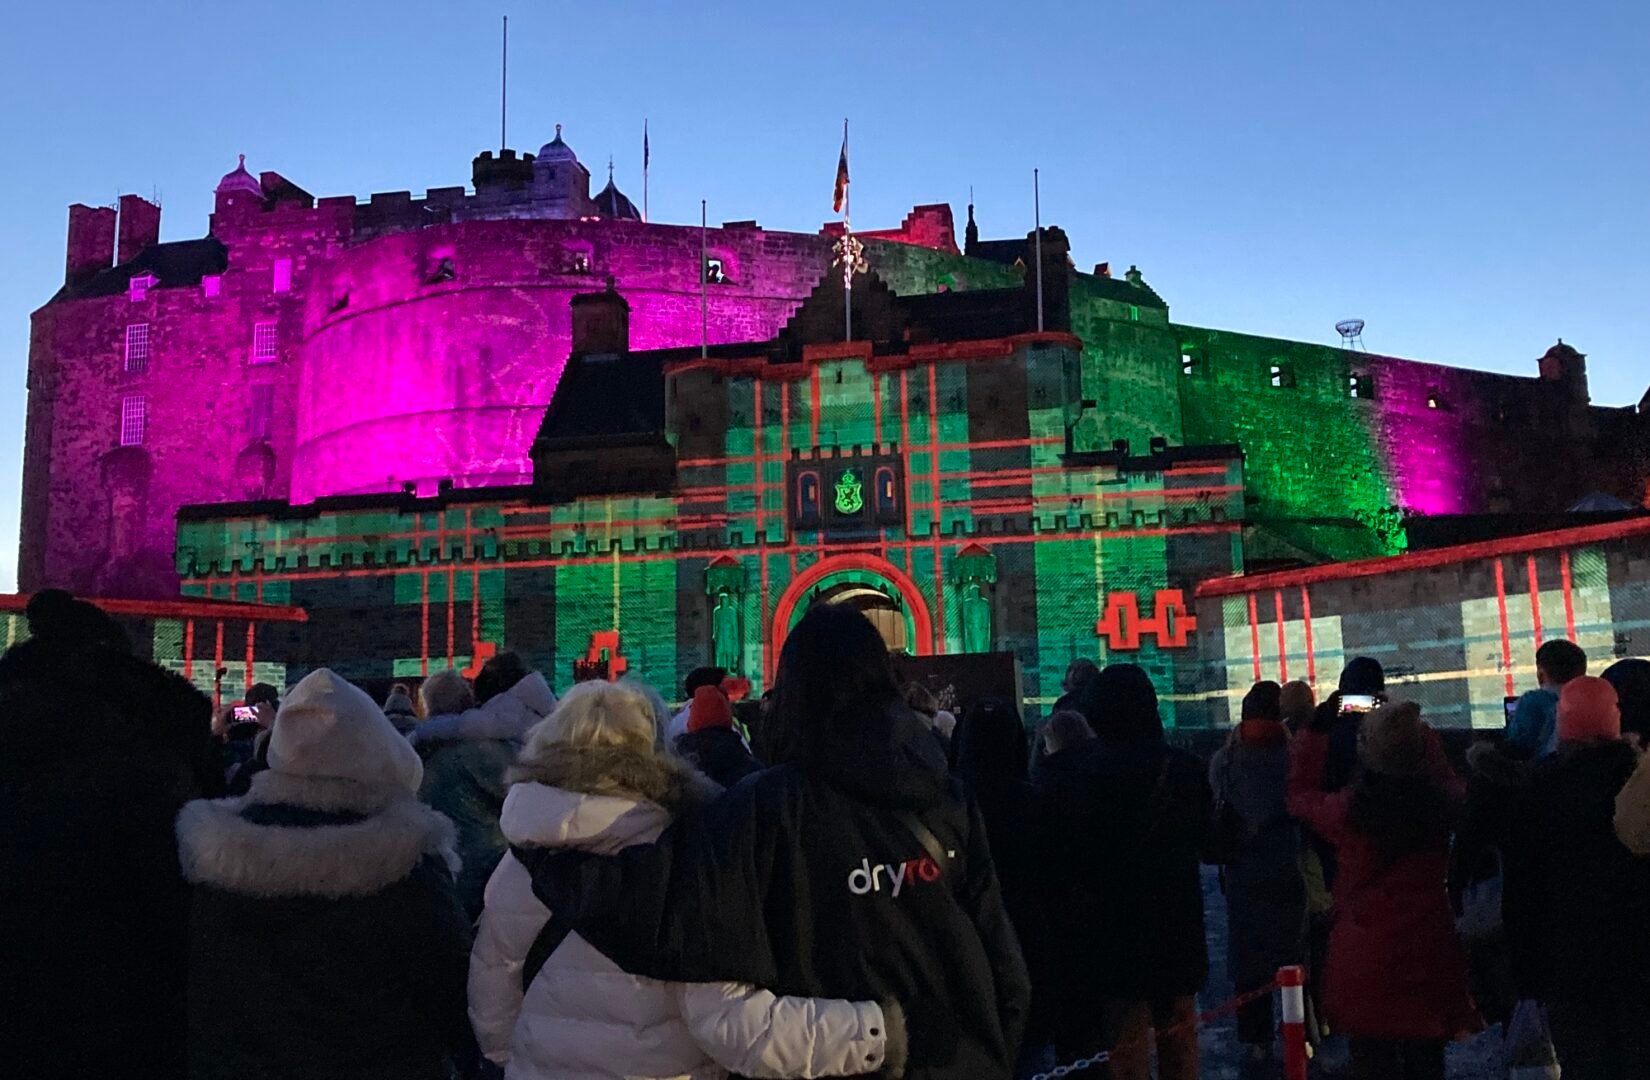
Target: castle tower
560, 182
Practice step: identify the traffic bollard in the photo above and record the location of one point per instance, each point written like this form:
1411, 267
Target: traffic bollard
1292, 982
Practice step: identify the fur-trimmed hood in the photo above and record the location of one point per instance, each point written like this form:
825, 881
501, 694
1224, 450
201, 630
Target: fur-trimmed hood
600, 799
219, 846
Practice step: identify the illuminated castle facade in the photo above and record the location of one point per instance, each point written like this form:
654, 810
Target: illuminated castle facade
428, 429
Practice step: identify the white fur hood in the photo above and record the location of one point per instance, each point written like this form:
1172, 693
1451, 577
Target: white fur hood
538, 815
219, 847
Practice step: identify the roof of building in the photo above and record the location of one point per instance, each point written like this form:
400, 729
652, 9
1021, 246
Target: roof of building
238, 179
613, 203
556, 150
181, 262
606, 395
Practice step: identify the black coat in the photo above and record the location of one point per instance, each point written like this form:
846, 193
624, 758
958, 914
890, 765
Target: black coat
1584, 899
806, 880
719, 753
98, 751
1125, 900
324, 945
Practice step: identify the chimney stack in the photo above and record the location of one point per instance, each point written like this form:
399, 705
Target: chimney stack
91, 241
139, 226
601, 322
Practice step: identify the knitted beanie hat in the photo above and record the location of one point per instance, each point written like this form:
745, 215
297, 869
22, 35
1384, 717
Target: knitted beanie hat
710, 709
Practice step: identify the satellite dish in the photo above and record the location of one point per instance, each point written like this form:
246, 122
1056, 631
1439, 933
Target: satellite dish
1351, 331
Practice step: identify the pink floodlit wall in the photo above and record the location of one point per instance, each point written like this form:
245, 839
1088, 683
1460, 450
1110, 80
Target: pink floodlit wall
431, 355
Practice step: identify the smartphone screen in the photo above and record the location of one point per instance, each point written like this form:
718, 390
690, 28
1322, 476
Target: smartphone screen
245, 714
1510, 704
1357, 703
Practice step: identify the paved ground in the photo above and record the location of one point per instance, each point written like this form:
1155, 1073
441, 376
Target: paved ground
1477, 1059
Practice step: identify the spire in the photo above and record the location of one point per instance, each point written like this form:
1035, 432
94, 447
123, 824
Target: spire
971, 234
610, 168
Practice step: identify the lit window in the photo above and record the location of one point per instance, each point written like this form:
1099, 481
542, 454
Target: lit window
262, 414
1134, 312
1360, 386
211, 285
1188, 363
1282, 377
1434, 400
134, 417
283, 275
264, 343
137, 347
138, 287
715, 271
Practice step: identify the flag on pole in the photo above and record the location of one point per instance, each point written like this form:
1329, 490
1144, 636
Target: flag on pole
840, 195
644, 144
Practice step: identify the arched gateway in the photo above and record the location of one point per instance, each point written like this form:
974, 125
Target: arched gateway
887, 596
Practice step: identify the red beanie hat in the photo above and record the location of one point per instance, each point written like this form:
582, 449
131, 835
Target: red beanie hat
1588, 710
710, 709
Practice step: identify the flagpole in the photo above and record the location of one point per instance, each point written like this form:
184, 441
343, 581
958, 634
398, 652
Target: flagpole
1037, 215
847, 233
644, 169
704, 309
504, 88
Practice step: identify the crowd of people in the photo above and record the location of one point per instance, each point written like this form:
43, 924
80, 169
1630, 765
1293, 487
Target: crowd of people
476, 878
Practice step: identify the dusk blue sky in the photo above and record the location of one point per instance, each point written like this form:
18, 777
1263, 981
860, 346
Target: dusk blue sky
1472, 178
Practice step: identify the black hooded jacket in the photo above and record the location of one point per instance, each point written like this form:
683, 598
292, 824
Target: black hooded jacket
98, 751
1125, 895
807, 879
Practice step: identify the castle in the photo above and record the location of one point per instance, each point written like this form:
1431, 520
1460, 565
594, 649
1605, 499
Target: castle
427, 429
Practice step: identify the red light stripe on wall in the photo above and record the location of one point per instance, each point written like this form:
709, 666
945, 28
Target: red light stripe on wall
452, 590
217, 662
1306, 617
251, 654
1254, 635
424, 623
189, 648
1501, 612
1283, 645
1569, 600
1535, 598
475, 609
934, 477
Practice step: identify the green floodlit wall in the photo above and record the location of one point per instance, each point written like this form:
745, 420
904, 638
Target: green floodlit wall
1314, 465
400, 589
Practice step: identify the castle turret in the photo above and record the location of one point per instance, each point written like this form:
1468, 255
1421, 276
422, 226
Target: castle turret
239, 192
1564, 367
560, 181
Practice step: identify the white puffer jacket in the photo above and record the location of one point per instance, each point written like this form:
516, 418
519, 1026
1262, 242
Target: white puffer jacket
583, 1017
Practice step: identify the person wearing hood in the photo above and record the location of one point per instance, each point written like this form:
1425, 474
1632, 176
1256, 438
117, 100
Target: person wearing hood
1265, 892
1363, 677
1397, 975
1631, 678
325, 942
400, 709
1591, 896
710, 742
1126, 895
98, 752
993, 760
854, 868
697, 678
466, 752
594, 778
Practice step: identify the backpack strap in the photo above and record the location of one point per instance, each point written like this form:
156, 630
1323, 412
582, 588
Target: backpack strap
555, 929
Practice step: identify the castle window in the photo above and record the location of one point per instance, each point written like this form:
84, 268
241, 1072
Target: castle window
211, 285
1189, 364
441, 270
134, 419
283, 275
1282, 377
886, 494
137, 347
1435, 400
1134, 312
807, 499
261, 416
138, 287
1360, 385
264, 343
715, 271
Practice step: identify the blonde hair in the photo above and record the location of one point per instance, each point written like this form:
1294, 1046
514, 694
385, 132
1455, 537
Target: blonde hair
596, 714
